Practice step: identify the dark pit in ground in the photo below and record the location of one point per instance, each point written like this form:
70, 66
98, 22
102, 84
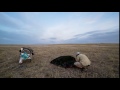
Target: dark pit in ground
64, 61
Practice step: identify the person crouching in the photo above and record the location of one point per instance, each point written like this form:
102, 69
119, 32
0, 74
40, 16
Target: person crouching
82, 61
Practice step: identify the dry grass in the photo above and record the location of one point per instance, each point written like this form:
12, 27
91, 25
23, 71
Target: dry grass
104, 57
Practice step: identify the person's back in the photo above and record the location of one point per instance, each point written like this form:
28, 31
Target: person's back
83, 59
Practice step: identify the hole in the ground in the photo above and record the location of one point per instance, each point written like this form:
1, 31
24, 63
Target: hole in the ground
64, 61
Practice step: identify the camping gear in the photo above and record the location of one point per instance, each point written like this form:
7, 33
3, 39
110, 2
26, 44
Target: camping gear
25, 53
24, 56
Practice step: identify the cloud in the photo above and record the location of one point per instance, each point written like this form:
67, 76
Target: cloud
6, 20
96, 37
55, 27
17, 38
67, 29
25, 25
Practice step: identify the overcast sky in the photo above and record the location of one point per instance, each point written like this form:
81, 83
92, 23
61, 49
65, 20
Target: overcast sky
59, 27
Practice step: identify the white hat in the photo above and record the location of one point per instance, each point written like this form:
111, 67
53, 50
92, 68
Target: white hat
78, 52
21, 49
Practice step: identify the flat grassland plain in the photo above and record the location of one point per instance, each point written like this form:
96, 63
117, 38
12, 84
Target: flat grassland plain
104, 58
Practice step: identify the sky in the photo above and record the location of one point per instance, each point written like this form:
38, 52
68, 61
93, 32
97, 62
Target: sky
59, 27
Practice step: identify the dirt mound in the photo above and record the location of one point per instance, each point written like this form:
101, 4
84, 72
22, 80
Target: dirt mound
64, 61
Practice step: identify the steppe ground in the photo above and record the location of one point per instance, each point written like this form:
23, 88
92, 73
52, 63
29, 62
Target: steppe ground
104, 58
